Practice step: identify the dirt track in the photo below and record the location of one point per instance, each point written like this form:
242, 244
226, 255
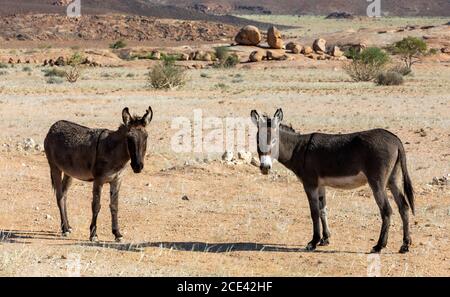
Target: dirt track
236, 221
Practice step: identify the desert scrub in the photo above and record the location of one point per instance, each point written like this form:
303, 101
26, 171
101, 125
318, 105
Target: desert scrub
3, 72
402, 69
166, 75
224, 58
76, 59
389, 78
3, 65
54, 72
72, 74
367, 64
54, 80
27, 69
118, 44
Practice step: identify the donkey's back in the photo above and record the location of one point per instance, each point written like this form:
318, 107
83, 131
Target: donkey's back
72, 148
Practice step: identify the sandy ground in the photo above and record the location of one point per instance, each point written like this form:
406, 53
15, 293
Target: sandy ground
236, 222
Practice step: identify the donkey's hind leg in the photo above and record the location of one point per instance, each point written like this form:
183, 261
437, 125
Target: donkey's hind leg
66, 182
379, 192
57, 184
402, 205
325, 240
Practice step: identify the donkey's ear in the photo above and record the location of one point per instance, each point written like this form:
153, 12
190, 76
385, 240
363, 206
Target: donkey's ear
148, 116
278, 116
255, 117
126, 116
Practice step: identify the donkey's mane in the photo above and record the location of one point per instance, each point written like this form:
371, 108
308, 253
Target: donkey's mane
287, 128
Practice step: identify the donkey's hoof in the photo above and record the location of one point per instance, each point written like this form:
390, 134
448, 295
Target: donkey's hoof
65, 233
93, 238
310, 247
404, 249
70, 230
119, 239
324, 242
375, 250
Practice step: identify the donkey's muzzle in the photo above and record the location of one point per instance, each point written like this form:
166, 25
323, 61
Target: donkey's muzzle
264, 170
137, 168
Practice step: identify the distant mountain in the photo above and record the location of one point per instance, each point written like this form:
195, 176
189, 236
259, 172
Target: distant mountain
316, 7
197, 9
126, 7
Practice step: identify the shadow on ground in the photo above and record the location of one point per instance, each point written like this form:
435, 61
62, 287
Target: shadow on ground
207, 247
18, 236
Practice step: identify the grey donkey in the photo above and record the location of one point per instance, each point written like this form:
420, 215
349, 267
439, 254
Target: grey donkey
345, 161
95, 155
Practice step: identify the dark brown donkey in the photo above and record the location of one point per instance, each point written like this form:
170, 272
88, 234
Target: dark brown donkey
343, 161
95, 155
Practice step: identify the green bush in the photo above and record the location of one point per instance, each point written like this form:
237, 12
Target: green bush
54, 80
166, 75
76, 59
389, 78
118, 44
3, 72
411, 49
54, 72
224, 58
27, 69
367, 64
3, 65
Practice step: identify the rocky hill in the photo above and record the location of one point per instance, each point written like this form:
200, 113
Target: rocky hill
315, 7
41, 27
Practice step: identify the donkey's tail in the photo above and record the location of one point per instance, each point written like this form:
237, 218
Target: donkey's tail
407, 185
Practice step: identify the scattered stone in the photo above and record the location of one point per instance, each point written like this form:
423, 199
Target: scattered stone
156, 55
274, 38
184, 57
307, 50
270, 55
60, 61
336, 51
185, 198
441, 181
227, 156
28, 144
256, 56
297, 49
245, 156
290, 46
254, 162
421, 132
248, 35
320, 45
48, 217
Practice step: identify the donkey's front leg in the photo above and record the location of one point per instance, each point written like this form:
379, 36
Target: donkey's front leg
114, 207
313, 199
96, 193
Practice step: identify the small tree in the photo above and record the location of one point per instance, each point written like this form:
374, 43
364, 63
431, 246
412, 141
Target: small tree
367, 64
411, 49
